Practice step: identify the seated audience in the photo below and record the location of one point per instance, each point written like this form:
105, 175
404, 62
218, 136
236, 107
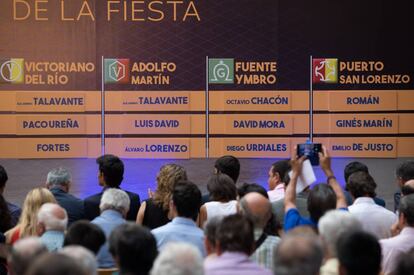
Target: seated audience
134, 248
374, 218
51, 225
358, 253
27, 225
404, 173
298, 253
331, 227
405, 264
59, 182
153, 212
14, 210
84, 257
322, 197
186, 200
277, 174
257, 208
23, 254
55, 263
114, 208
178, 259
223, 195
394, 247
234, 245
407, 188
210, 232
86, 234
111, 174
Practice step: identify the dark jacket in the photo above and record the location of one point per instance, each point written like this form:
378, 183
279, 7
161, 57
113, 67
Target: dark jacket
72, 204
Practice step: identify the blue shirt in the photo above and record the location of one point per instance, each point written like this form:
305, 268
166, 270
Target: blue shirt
293, 219
53, 240
180, 230
107, 221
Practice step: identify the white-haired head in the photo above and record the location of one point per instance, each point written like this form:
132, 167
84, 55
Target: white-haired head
59, 177
335, 223
115, 199
23, 253
52, 217
178, 259
83, 256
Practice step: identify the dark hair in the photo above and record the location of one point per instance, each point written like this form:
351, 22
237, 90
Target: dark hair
406, 170
251, 187
112, 169
187, 199
405, 264
321, 199
5, 217
55, 263
221, 188
359, 253
235, 234
86, 234
134, 246
228, 165
353, 167
407, 208
407, 190
361, 184
282, 167
3, 177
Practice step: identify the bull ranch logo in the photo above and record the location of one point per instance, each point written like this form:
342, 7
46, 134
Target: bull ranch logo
12, 70
117, 71
325, 70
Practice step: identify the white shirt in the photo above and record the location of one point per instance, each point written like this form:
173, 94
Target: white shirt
216, 208
374, 218
277, 193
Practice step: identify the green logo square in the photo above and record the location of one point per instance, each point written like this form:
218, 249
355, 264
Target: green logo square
221, 70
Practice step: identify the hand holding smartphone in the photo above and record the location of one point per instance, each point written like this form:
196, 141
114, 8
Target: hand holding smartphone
311, 151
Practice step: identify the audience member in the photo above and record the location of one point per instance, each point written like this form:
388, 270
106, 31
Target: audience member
86, 234
322, 197
111, 174
134, 248
27, 225
5, 217
84, 257
51, 222
374, 218
114, 208
393, 248
23, 254
234, 244
257, 208
358, 253
246, 188
298, 254
210, 236
353, 167
404, 173
54, 264
223, 195
14, 210
153, 212
331, 227
277, 173
407, 188
59, 182
178, 259
405, 264
186, 200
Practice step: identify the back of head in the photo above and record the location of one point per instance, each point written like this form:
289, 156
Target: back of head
251, 187
3, 177
405, 264
86, 234
210, 232
228, 165
282, 167
298, 255
83, 256
23, 253
112, 169
408, 188
52, 217
167, 177
178, 259
59, 177
359, 253
361, 184
221, 188
55, 263
353, 167
406, 208
321, 199
187, 199
235, 234
257, 208
405, 171
115, 199
134, 248
333, 225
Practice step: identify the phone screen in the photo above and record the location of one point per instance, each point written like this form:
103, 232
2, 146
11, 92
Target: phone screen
310, 150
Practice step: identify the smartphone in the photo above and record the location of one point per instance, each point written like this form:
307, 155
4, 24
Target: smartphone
311, 151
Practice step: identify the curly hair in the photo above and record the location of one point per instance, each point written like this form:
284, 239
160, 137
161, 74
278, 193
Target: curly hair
167, 177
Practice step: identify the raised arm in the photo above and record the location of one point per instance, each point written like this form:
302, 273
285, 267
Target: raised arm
290, 193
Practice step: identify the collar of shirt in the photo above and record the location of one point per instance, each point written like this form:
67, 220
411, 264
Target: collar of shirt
53, 233
257, 233
408, 230
280, 187
236, 256
110, 213
362, 200
182, 220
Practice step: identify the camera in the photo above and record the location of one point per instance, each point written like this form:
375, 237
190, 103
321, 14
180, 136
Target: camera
311, 151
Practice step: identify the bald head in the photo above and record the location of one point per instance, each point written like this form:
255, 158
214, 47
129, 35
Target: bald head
257, 208
52, 217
